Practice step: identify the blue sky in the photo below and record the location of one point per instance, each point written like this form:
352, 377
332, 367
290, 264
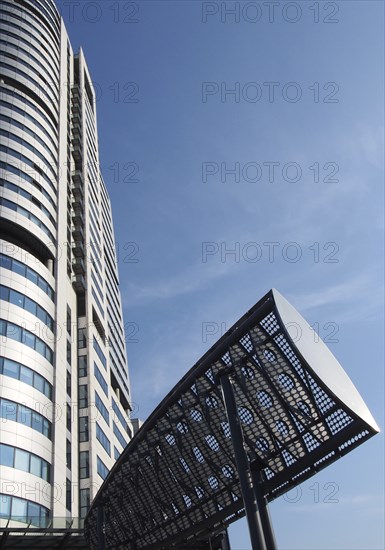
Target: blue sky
320, 243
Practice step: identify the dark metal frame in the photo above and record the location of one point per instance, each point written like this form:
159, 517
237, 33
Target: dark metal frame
192, 469
50, 537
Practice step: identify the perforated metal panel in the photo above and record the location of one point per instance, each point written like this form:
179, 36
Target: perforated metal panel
177, 478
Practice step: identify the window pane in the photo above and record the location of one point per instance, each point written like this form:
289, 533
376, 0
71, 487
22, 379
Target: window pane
49, 354
82, 365
45, 470
24, 415
5, 261
26, 375
34, 513
19, 508
46, 429
35, 465
37, 422
4, 293
30, 305
16, 298
8, 410
21, 460
47, 390
40, 346
38, 382
18, 268
6, 455
11, 369
13, 331
32, 275
43, 285
5, 506
29, 339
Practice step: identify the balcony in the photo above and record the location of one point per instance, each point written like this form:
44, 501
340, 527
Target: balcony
77, 183
78, 233
79, 267
77, 177
79, 283
78, 249
77, 130
78, 204
75, 109
76, 119
77, 150
76, 142
77, 217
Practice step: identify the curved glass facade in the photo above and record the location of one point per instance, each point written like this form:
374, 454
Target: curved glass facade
29, 147
60, 310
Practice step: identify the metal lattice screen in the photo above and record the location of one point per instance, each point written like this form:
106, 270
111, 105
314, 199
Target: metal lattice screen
177, 478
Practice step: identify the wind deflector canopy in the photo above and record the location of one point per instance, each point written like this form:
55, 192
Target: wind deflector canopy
176, 481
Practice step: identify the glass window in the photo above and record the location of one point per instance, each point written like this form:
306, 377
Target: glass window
69, 352
69, 321
40, 347
84, 466
8, 410
4, 293
102, 468
83, 428
82, 338
69, 384
68, 494
82, 365
6, 455
103, 439
19, 508
5, 506
47, 389
102, 408
46, 429
68, 454
32, 276
26, 375
118, 434
14, 332
6, 262
24, 415
49, 355
11, 369
83, 396
35, 467
37, 422
22, 460
99, 377
39, 382
30, 306
29, 339
45, 470
16, 298
84, 502
34, 513
18, 268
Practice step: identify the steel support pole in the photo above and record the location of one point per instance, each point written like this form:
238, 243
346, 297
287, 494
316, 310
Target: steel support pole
225, 541
242, 462
263, 510
100, 527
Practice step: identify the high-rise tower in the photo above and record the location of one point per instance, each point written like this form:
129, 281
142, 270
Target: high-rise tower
64, 386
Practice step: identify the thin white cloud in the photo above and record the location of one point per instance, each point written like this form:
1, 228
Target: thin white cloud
357, 296
188, 281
